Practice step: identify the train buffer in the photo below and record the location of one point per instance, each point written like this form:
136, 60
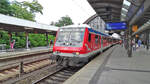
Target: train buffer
115, 67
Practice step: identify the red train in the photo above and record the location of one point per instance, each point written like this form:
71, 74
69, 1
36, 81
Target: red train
76, 44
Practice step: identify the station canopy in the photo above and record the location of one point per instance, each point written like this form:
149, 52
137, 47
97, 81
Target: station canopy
134, 12
108, 10
12, 24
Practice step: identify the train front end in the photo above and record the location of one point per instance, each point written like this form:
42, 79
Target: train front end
69, 45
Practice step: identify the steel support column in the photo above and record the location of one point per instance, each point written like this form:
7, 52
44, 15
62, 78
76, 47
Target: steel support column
10, 36
147, 40
27, 41
130, 42
47, 39
126, 40
144, 39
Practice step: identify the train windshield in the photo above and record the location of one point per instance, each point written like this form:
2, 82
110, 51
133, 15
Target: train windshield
70, 37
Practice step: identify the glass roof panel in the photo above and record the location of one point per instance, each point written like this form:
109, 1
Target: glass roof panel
125, 7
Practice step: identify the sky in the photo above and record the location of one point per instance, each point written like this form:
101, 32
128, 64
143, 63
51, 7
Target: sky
53, 10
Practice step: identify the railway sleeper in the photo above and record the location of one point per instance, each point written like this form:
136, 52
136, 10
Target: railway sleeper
7, 74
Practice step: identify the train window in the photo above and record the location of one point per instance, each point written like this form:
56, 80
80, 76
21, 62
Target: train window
96, 39
89, 38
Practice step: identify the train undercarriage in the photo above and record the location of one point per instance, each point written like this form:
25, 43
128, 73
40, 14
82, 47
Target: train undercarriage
70, 61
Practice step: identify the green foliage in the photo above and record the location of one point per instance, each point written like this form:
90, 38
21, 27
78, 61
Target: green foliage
39, 39
20, 12
20, 40
24, 10
4, 39
5, 7
34, 6
36, 40
64, 21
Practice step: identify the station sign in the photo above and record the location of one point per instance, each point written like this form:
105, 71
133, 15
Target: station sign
116, 26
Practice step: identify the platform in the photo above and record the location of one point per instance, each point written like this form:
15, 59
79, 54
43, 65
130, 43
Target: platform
21, 52
115, 67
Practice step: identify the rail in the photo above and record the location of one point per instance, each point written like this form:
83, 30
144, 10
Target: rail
23, 64
58, 76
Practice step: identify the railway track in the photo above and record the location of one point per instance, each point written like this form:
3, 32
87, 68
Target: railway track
27, 68
34, 63
31, 63
58, 76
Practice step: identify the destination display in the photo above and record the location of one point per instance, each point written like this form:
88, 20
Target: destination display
116, 25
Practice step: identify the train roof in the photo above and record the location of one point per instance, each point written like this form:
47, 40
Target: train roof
85, 26
97, 32
75, 26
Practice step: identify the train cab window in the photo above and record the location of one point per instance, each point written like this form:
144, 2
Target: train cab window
96, 39
89, 37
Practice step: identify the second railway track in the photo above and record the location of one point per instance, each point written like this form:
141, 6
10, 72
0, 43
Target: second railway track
10, 67
58, 76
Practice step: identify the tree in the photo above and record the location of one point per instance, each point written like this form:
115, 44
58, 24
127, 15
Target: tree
34, 6
5, 7
26, 10
20, 12
64, 21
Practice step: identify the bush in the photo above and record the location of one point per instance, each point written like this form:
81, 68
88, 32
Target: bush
36, 40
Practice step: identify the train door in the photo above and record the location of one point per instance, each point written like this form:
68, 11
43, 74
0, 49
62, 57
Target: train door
93, 41
102, 42
99, 41
89, 45
96, 46
106, 41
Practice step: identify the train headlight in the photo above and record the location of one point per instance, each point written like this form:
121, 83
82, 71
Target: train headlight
77, 53
67, 43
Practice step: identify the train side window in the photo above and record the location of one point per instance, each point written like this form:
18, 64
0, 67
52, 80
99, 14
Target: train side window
96, 39
89, 37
